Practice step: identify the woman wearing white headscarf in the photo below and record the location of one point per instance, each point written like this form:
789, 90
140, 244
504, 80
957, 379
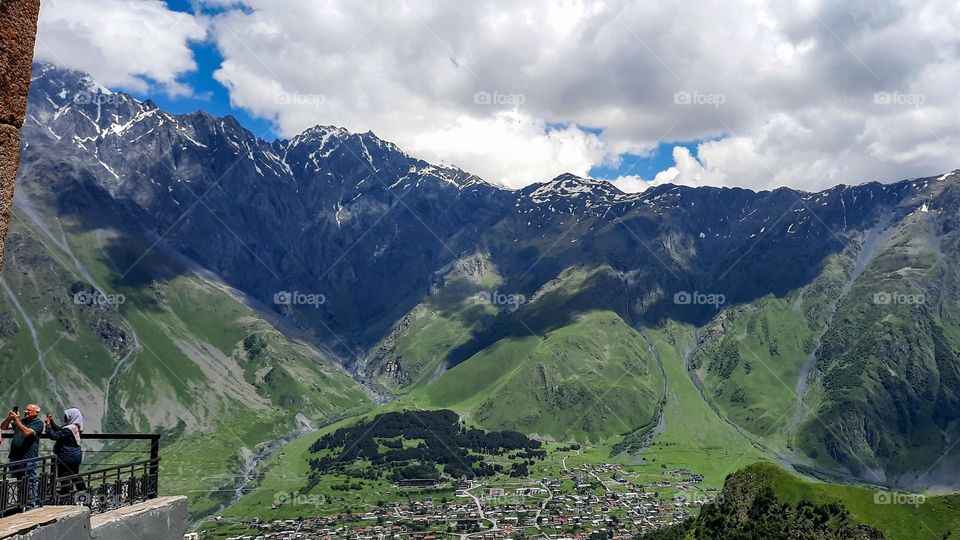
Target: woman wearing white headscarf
67, 448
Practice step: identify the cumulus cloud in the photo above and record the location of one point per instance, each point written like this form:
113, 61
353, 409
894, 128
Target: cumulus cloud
806, 94
513, 147
783, 93
134, 45
689, 171
631, 183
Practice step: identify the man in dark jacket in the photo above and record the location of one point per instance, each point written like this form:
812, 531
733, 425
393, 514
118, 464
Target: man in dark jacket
25, 445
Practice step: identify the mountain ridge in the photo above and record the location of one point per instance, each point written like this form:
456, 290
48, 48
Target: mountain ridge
98, 92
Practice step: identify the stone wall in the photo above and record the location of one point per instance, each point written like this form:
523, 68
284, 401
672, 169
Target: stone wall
18, 31
164, 518
47, 523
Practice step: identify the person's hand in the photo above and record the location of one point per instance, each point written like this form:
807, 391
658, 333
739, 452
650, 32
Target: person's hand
14, 415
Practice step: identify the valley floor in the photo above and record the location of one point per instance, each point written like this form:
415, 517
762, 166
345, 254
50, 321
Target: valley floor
572, 493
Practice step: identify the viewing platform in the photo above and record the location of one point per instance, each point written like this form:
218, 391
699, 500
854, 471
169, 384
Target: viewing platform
105, 501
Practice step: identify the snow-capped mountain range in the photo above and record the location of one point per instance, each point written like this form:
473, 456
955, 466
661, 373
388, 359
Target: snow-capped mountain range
355, 218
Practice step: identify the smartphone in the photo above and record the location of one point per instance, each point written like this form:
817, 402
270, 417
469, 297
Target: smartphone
16, 409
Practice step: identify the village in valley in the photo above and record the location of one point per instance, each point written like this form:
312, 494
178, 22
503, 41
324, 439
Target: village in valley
590, 501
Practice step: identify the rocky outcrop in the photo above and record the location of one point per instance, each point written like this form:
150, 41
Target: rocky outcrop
9, 158
18, 31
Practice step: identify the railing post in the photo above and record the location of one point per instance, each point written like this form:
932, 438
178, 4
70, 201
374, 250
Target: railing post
154, 446
4, 492
154, 475
54, 492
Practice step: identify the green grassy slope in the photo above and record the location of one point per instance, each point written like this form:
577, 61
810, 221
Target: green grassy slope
565, 357
751, 371
417, 348
933, 518
586, 381
755, 361
693, 435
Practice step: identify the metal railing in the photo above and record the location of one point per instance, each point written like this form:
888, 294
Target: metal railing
26, 483
109, 488
35, 482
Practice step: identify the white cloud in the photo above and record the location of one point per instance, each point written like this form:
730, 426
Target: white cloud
630, 184
689, 171
512, 148
783, 92
121, 43
788, 89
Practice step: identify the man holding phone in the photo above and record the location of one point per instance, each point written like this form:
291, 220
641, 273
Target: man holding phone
25, 445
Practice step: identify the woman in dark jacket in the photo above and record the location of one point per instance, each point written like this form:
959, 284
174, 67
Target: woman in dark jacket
67, 447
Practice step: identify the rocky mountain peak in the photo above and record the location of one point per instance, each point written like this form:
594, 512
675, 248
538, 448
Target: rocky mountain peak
569, 193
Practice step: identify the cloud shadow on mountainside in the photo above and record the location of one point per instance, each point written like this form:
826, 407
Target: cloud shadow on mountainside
53, 180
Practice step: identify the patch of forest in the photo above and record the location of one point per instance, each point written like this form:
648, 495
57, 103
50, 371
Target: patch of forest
408, 445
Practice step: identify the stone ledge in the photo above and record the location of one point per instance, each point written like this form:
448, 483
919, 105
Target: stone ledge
48, 522
163, 518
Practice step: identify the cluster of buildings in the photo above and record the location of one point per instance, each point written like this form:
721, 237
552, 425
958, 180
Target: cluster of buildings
587, 502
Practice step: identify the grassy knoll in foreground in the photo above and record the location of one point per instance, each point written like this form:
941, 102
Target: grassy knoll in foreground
763, 499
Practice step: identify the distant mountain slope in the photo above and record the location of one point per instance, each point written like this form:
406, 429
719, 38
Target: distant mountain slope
764, 358
890, 363
329, 212
585, 378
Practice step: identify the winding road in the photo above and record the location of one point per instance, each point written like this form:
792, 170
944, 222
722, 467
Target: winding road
480, 513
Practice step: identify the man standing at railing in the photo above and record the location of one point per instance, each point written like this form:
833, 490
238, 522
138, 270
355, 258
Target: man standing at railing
25, 445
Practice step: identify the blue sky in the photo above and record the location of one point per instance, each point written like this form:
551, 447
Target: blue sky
209, 94
646, 166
